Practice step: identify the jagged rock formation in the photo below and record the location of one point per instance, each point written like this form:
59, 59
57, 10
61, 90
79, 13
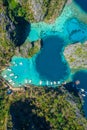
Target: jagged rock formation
6, 44
15, 14
28, 49
76, 55
42, 10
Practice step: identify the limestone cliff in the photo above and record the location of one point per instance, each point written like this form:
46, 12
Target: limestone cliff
15, 14
37, 10
76, 55
6, 44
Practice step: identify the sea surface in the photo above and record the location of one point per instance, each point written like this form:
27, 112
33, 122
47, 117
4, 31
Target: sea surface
82, 77
49, 66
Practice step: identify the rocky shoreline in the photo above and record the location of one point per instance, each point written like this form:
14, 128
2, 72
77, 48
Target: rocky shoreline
76, 55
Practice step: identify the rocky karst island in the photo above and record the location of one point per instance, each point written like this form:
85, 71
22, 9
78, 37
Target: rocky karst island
43, 65
76, 55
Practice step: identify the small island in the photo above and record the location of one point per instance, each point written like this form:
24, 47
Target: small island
76, 55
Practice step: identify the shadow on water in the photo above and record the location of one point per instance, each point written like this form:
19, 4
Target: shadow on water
82, 77
82, 4
22, 30
23, 117
72, 88
22, 26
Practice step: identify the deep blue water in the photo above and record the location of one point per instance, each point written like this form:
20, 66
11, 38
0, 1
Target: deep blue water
82, 4
82, 77
50, 63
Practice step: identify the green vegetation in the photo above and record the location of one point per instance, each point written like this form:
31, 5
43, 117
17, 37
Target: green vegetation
76, 55
71, 59
14, 9
79, 51
50, 9
54, 9
40, 108
12, 4
6, 44
4, 107
33, 51
5, 56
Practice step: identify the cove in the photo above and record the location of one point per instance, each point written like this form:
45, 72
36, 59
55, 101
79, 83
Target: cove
50, 62
48, 67
82, 77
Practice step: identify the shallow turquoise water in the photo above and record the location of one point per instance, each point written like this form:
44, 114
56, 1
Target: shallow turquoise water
77, 30
29, 71
49, 67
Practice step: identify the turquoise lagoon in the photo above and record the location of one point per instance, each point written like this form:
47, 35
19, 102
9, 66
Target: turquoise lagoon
44, 67
49, 66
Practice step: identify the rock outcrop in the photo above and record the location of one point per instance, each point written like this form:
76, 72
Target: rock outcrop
76, 55
42, 10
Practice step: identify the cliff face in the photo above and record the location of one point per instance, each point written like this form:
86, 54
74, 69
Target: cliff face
15, 14
76, 55
6, 44
41, 10
12, 18
46, 10
38, 11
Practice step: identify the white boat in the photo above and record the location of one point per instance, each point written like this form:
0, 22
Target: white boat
58, 82
40, 82
10, 81
51, 83
30, 81
21, 63
9, 69
55, 82
15, 77
82, 89
12, 74
83, 95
